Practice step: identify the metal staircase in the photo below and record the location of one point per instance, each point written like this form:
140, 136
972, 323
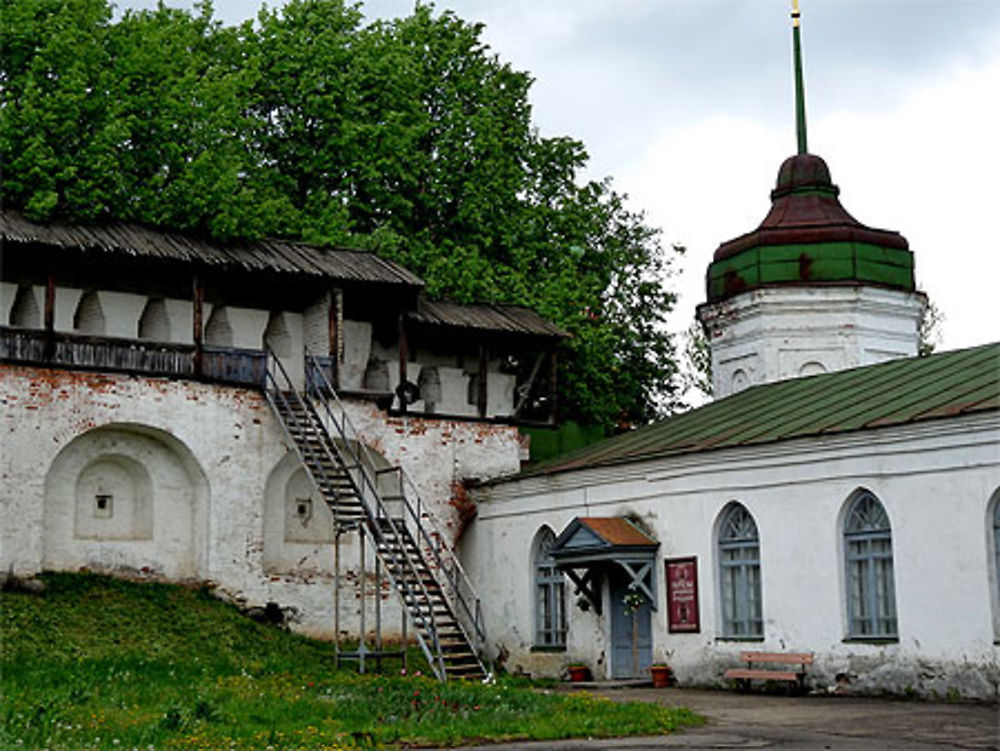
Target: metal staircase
383, 504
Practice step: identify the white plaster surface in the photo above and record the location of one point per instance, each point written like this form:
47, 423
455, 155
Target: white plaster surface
935, 481
771, 334
220, 476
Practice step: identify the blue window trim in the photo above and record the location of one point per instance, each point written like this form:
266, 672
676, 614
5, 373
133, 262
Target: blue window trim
549, 595
739, 575
996, 542
868, 574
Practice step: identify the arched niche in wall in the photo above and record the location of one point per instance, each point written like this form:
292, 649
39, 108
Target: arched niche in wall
154, 323
25, 312
218, 330
276, 336
298, 524
739, 381
89, 315
114, 500
126, 497
812, 368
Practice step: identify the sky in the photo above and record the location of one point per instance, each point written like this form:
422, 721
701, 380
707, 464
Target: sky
688, 106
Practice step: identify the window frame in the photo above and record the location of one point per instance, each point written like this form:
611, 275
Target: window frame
869, 570
548, 595
993, 547
741, 602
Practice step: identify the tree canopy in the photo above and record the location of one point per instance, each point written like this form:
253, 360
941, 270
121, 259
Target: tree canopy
408, 137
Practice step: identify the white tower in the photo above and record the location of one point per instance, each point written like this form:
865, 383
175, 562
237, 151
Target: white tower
811, 290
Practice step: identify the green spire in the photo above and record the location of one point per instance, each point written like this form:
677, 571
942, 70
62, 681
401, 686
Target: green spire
800, 89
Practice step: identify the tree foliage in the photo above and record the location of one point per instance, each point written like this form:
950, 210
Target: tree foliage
406, 137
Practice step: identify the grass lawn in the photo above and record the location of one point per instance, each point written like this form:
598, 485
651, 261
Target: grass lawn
99, 663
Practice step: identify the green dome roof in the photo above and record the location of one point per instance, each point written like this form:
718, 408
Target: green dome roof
808, 238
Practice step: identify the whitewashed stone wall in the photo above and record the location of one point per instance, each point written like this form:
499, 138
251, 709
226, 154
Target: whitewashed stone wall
770, 334
937, 482
199, 478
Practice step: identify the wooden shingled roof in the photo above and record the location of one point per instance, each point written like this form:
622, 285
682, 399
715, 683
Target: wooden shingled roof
485, 317
898, 392
271, 256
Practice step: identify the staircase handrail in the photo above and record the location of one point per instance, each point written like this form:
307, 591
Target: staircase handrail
374, 531
444, 554
319, 386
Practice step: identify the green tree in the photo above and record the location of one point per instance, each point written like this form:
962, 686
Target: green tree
407, 137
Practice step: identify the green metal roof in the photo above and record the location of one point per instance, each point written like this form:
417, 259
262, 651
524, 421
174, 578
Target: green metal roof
892, 393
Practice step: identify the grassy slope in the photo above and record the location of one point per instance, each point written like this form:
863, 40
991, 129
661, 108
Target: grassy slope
97, 663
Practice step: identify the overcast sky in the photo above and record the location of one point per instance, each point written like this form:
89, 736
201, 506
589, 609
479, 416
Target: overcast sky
688, 105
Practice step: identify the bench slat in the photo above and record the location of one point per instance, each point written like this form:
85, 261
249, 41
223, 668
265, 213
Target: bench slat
762, 675
783, 658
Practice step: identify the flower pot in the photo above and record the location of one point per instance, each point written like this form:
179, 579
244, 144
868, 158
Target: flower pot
578, 673
661, 675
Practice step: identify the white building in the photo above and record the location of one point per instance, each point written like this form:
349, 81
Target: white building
841, 498
147, 431
239, 414
854, 515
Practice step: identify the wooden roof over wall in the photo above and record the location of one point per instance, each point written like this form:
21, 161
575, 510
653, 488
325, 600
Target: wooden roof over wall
486, 318
262, 256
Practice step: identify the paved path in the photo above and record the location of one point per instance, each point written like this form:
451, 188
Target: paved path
810, 723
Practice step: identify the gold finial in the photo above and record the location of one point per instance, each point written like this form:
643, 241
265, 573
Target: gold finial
795, 12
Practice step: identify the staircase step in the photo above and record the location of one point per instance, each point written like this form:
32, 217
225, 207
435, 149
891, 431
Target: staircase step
406, 562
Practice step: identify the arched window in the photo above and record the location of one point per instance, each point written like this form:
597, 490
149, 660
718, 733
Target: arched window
871, 595
996, 541
550, 594
739, 574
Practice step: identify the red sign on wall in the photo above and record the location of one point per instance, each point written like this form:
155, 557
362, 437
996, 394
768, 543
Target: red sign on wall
682, 595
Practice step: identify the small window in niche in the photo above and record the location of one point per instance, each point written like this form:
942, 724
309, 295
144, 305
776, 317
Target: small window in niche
303, 509
103, 505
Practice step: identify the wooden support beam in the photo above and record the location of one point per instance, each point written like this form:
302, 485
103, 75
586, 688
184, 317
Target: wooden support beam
481, 395
586, 584
50, 303
198, 293
641, 579
404, 356
335, 328
524, 390
49, 347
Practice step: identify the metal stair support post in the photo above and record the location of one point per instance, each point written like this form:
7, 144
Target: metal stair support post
343, 473
317, 454
428, 531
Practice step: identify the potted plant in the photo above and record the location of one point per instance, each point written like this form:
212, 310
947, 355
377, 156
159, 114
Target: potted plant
661, 674
578, 671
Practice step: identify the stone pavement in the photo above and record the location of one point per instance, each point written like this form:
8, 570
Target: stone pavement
806, 723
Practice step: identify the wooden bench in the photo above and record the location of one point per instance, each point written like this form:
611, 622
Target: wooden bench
750, 673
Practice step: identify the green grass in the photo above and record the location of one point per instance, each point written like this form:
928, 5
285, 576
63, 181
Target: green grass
99, 663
